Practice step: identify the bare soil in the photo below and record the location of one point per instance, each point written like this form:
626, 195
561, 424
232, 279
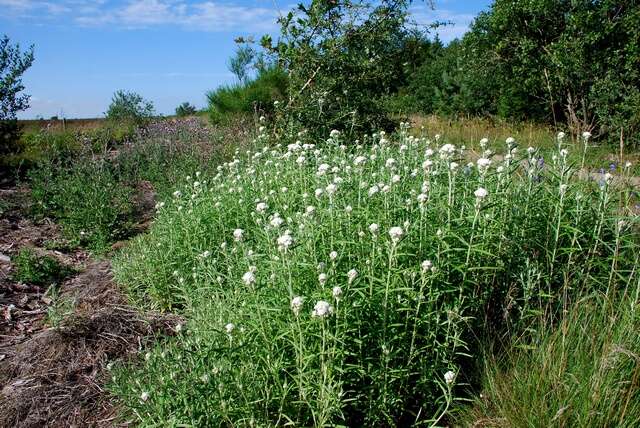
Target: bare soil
53, 373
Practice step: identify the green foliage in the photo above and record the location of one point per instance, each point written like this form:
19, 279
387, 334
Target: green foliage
185, 109
344, 58
87, 198
234, 267
94, 193
556, 61
31, 268
10, 134
239, 64
13, 64
582, 372
129, 106
257, 95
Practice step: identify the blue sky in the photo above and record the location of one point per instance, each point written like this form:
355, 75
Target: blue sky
169, 51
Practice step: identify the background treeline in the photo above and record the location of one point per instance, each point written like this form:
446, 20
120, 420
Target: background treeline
570, 63
556, 61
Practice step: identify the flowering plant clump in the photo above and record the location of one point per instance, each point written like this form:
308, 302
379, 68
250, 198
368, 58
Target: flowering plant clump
398, 255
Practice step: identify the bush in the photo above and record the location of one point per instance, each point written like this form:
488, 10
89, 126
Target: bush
87, 198
94, 194
331, 286
185, 109
581, 373
31, 268
129, 106
257, 95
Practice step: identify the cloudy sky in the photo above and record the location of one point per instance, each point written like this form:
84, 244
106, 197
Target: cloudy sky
169, 51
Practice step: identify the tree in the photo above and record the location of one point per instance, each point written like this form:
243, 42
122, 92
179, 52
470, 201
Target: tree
241, 62
343, 58
13, 63
185, 109
129, 106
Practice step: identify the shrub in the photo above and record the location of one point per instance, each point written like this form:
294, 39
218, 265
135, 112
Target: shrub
257, 95
91, 204
349, 286
31, 268
185, 109
129, 106
94, 193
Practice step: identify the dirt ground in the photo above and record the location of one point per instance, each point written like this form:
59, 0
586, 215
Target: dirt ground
52, 373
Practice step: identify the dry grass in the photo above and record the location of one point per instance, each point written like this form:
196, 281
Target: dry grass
470, 131
67, 125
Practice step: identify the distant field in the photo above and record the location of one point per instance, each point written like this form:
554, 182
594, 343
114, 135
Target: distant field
35, 125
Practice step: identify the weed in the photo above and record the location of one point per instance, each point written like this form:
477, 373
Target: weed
31, 268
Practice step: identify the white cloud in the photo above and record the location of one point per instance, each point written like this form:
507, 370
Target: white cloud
21, 8
202, 16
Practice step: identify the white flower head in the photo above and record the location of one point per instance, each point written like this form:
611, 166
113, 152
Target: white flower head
449, 377
352, 274
396, 233
561, 136
373, 228
144, 396
336, 292
237, 235
586, 135
285, 241
276, 221
563, 189
296, 304
481, 193
333, 255
322, 309
426, 265
261, 207
248, 278
483, 164
229, 328
322, 278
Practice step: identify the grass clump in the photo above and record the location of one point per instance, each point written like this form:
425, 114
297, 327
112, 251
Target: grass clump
583, 372
352, 285
31, 268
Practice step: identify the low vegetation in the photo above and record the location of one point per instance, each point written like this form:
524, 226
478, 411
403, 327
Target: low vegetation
581, 372
34, 269
334, 273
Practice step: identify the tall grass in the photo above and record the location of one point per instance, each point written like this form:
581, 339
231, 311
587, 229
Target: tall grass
584, 372
351, 284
